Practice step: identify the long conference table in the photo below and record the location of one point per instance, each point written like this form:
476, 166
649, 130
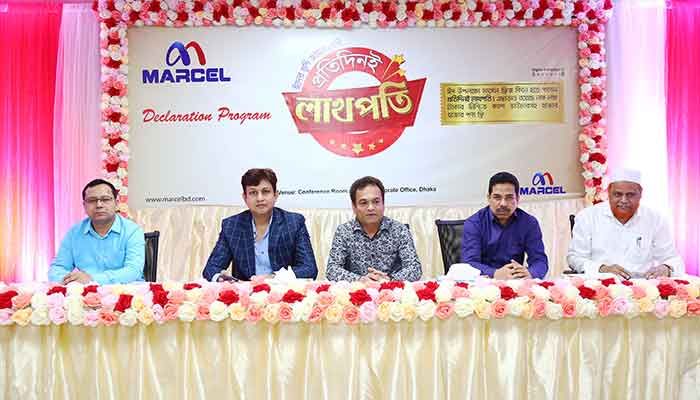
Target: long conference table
570, 338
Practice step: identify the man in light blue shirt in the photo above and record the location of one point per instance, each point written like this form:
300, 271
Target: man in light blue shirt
103, 248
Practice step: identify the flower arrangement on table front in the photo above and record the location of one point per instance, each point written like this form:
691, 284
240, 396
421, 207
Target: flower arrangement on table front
349, 303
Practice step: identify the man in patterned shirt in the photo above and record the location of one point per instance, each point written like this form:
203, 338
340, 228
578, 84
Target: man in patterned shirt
372, 247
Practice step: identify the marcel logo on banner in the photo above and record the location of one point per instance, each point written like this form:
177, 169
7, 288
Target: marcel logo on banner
185, 71
542, 184
361, 121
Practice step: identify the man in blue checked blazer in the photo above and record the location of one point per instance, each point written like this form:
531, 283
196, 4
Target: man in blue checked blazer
262, 239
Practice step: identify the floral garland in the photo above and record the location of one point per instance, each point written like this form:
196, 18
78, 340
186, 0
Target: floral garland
588, 16
351, 303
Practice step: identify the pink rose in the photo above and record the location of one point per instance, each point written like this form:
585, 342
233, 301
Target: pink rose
254, 313
158, 314
539, 308
209, 296
444, 310
499, 308
202, 312
55, 300
620, 306
176, 296
694, 307
170, 310
57, 315
604, 306
681, 293
325, 299
351, 315
459, 292
569, 309
21, 300
109, 300
274, 297
602, 292
316, 314
661, 308
385, 296
92, 318
244, 300
5, 316
557, 294
285, 312
638, 292
368, 312
108, 317
92, 300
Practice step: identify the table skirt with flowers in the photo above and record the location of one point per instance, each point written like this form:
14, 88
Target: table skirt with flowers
569, 338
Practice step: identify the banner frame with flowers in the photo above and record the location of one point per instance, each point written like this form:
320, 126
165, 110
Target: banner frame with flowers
587, 16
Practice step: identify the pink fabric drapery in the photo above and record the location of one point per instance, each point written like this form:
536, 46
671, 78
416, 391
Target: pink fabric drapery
28, 45
683, 125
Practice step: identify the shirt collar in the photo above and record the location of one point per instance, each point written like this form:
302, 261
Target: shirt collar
255, 231
383, 225
116, 226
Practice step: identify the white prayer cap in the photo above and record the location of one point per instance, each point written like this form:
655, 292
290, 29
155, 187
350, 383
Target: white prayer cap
626, 175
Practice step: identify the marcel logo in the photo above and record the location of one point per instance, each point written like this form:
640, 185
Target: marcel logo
542, 184
178, 56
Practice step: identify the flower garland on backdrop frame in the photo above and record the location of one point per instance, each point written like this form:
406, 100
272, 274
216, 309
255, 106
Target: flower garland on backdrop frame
588, 17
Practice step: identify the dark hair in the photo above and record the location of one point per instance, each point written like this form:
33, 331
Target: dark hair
363, 183
97, 182
254, 176
504, 177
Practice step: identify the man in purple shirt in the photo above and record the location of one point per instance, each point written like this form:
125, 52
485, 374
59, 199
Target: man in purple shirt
498, 236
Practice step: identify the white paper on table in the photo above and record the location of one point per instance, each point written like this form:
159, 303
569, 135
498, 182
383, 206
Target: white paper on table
285, 275
462, 272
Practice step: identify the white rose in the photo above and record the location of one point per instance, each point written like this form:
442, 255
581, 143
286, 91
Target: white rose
75, 315
516, 306
258, 297
553, 311
443, 294
301, 311
651, 290
618, 291
396, 312
426, 309
129, 317
464, 307
571, 292
218, 311
39, 300
74, 289
409, 296
540, 292
297, 286
586, 308
40, 316
194, 295
187, 312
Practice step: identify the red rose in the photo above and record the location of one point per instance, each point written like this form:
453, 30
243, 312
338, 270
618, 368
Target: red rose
368, 7
627, 283
391, 15
682, 281
578, 7
191, 285
591, 14
57, 289
386, 6
253, 12
263, 287
538, 13
154, 6
462, 284
323, 288
134, 16
305, 4
428, 14
292, 297
426, 294
123, 303
198, 6
586, 292
666, 290
114, 64
360, 297
160, 297
89, 289
479, 7
326, 13
289, 13
391, 285
508, 293
112, 167
6, 298
557, 14
432, 285
445, 6
507, 5
228, 297
594, 28
546, 284
596, 73
411, 6
594, 48
486, 16
520, 15
456, 15
346, 14
182, 16
597, 181
597, 157
607, 282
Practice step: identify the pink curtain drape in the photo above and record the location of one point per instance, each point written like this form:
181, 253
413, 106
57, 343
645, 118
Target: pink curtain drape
683, 125
28, 45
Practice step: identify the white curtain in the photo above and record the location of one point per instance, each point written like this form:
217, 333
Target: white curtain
636, 95
76, 113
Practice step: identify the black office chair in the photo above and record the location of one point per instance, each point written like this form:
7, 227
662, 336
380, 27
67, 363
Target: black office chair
150, 267
450, 234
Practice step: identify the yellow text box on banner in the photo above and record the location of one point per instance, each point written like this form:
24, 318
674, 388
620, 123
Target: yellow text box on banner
468, 103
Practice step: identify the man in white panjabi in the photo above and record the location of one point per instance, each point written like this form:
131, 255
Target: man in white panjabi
621, 237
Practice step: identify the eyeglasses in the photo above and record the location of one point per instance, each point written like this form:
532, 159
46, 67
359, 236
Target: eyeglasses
94, 200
